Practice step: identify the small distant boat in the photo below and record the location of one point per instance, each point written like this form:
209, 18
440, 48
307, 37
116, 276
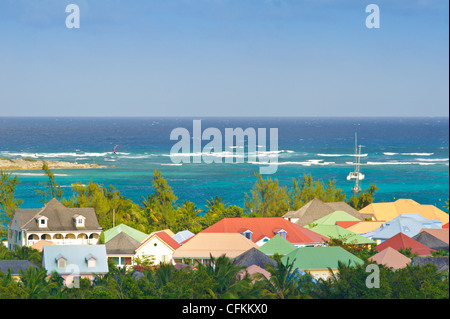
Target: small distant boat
356, 175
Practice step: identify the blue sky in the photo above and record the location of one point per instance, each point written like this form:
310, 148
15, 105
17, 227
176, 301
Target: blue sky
224, 58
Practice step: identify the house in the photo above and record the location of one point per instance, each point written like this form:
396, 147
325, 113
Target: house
254, 257
360, 227
391, 210
441, 234
261, 229
408, 224
54, 222
334, 217
254, 272
183, 236
427, 239
74, 262
402, 241
15, 266
277, 245
122, 228
316, 209
317, 260
121, 249
441, 263
391, 258
160, 246
40, 244
445, 226
334, 231
204, 245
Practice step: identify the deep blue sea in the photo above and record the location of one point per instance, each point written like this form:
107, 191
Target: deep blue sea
404, 157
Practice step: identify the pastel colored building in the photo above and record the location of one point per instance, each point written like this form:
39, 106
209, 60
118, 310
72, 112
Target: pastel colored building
391, 258
402, 241
317, 260
202, 246
160, 246
54, 222
277, 245
334, 231
261, 229
391, 210
74, 262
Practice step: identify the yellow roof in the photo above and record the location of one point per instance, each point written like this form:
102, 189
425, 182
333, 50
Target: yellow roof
216, 244
388, 211
365, 227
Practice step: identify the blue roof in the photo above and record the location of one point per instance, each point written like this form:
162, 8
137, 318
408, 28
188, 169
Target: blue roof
76, 259
182, 236
408, 224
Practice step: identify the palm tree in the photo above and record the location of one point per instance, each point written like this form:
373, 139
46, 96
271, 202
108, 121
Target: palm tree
34, 283
282, 283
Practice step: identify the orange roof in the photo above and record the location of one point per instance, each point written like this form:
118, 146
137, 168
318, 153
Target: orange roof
164, 237
40, 244
361, 227
441, 234
266, 227
391, 258
402, 241
445, 226
388, 211
216, 244
347, 224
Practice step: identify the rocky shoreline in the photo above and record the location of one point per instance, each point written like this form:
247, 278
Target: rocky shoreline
7, 164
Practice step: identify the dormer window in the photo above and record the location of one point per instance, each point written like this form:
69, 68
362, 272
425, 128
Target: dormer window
61, 263
281, 232
79, 220
42, 221
91, 261
247, 233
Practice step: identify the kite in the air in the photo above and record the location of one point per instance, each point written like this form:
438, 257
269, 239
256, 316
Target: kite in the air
115, 148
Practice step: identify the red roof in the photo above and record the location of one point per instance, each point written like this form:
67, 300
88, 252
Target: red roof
445, 226
266, 227
164, 237
402, 241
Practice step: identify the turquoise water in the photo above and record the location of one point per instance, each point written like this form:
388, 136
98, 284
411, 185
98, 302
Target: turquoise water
405, 158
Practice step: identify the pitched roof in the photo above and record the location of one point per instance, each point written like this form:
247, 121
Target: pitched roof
265, 227
163, 236
40, 244
254, 269
254, 257
334, 231
130, 231
409, 224
333, 217
277, 245
402, 241
75, 256
316, 209
346, 224
183, 235
440, 262
216, 244
388, 211
391, 258
431, 241
60, 217
15, 265
120, 244
318, 258
445, 226
361, 227
442, 234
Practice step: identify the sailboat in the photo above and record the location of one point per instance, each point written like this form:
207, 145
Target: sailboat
356, 175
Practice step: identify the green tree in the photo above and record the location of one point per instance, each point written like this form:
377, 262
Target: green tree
8, 202
364, 198
53, 189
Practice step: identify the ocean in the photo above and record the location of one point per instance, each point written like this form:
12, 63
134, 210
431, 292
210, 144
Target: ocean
404, 157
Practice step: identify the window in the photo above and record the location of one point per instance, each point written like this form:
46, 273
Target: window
92, 263
248, 234
116, 260
282, 234
79, 221
61, 263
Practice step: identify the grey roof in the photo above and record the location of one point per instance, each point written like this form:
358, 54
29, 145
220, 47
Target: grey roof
136, 275
441, 263
15, 265
122, 244
60, 218
182, 236
254, 257
430, 241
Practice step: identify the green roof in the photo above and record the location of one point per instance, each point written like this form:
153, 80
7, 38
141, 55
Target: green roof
277, 245
334, 231
334, 217
315, 258
133, 233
